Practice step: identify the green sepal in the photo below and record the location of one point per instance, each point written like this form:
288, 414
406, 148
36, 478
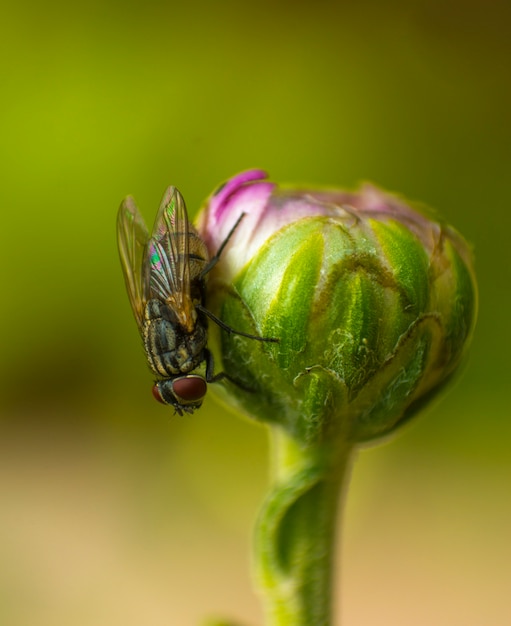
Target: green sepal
367, 322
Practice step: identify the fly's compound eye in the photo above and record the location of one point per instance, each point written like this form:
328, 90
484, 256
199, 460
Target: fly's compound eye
157, 394
189, 389
186, 390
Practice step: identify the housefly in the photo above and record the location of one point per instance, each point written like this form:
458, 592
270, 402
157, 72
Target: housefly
165, 278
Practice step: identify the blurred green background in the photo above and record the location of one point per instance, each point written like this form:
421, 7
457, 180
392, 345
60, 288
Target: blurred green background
112, 511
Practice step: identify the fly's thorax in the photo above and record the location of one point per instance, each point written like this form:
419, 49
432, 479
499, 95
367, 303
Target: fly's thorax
197, 291
170, 349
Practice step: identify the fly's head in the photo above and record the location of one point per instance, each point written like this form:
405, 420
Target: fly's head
184, 393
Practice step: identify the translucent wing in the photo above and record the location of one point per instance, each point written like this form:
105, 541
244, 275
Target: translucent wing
169, 258
132, 239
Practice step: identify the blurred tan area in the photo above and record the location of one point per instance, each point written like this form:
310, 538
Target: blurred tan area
114, 511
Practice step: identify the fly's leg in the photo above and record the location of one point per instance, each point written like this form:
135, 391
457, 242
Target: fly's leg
214, 260
215, 378
209, 266
230, 330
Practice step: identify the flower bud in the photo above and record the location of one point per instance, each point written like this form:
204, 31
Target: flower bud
373, 304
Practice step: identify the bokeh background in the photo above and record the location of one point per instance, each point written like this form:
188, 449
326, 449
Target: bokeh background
112, 511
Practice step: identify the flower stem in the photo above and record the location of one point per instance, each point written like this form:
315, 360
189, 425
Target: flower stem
296, 531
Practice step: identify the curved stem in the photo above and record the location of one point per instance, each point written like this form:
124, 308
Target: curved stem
296, 531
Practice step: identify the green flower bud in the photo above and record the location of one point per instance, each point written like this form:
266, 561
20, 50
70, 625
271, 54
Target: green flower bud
373, 304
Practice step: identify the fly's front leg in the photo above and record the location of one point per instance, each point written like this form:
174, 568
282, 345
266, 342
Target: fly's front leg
215, 378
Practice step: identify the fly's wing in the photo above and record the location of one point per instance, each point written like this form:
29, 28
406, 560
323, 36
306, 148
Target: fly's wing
169, 258
132, 239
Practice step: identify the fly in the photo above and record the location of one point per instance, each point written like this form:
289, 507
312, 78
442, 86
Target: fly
165, 277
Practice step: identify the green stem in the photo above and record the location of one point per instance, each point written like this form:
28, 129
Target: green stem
296, 531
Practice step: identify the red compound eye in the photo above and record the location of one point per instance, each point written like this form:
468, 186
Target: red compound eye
190, 388
157, 395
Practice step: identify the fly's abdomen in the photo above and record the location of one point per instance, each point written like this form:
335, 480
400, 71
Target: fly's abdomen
169, 348
197, 254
